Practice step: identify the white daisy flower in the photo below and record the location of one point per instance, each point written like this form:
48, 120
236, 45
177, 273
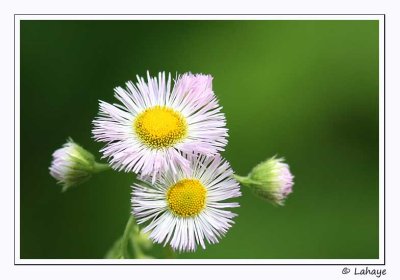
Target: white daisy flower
155, 125
185, 208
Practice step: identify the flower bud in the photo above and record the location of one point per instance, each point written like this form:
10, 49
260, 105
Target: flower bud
73, 165
270, 180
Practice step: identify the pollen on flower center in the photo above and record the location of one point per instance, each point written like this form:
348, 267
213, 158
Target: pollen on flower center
160, 127
187, 197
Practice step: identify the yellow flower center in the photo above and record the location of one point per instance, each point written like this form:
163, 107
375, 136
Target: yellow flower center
160, 127
187, 197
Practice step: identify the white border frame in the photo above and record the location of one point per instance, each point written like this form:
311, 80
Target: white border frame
379, 261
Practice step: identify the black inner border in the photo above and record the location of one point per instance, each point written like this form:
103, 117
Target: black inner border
239, 264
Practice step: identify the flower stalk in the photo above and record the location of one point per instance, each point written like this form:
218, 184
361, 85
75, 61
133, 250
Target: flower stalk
100, 167
132, 243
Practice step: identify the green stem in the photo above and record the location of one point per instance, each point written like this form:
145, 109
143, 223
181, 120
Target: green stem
245, 181
125, 238
241, 179
100, 167
136, 248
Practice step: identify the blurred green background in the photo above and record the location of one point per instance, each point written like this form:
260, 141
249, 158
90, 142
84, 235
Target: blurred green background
305, 90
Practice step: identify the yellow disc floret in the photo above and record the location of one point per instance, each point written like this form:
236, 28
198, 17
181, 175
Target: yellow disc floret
187, 197
160, 127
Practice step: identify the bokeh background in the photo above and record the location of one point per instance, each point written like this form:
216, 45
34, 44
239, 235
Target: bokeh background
305, 90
